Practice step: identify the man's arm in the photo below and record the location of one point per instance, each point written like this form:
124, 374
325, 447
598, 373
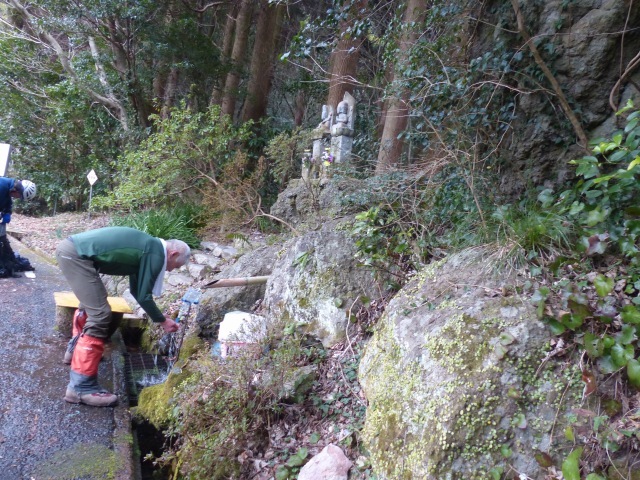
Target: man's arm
141, 291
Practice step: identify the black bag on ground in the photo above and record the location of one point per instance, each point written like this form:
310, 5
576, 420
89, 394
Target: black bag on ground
11, 262
23, 264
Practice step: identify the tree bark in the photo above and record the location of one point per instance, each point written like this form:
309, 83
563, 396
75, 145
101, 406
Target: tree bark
344, 60
243, 24
262, 60
397, 112
300, 107
225, 53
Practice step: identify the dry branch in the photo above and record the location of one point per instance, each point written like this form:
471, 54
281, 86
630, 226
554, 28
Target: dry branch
547, 72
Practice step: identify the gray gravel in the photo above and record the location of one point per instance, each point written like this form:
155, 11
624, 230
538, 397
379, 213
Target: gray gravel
42, 436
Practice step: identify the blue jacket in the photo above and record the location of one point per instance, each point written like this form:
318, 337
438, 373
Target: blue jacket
6, 202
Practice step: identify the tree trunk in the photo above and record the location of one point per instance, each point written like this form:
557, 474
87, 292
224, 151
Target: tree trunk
243, 24
170, 92
262, 60
299, 108
225, 53
397, 111
344, 60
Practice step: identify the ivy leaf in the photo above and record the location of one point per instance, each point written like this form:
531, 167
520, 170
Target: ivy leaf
579, 306
604, 285
593, 345
506, 451
633, 372
607, 365
556, 327
519, 421
282, 473
496, 473
297, 460
596, 216
630, 314
617, 156
571, 465
636, 161
571, 321
627, 335
621, 354
587, 167
595, 476
596, 243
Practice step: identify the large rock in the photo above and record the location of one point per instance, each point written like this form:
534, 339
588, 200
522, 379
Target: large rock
582, 44
216, 302
315, 201
455, 379
317, 280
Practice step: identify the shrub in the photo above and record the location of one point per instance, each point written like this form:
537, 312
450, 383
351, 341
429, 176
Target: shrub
181, 222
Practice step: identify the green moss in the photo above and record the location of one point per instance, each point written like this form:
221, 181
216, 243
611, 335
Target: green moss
155, 403
422, 429
190, 345
88, 460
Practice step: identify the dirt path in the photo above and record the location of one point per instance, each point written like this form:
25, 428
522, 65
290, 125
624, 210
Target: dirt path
42, 436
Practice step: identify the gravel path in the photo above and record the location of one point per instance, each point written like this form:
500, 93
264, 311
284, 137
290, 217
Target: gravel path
42, 436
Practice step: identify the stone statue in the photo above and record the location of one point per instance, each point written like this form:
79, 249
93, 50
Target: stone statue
327, 120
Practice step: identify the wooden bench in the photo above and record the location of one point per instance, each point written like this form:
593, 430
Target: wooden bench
67, 302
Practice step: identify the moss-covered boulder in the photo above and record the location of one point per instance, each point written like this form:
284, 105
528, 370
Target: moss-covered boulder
316, 281
456, 380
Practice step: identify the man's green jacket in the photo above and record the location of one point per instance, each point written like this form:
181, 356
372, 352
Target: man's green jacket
126, 251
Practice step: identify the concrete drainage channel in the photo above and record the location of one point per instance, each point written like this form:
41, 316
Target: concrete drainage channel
133, 438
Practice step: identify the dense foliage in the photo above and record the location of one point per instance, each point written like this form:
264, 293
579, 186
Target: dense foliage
195, 115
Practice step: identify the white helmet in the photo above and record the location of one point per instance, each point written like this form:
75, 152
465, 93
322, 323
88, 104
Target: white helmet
28, 189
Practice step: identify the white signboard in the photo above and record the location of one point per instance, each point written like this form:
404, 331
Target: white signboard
5, 151
92, 177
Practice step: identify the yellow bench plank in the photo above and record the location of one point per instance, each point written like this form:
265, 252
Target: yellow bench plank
69, 299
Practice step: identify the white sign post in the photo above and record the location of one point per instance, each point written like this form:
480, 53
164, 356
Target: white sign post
92, 177
5, 156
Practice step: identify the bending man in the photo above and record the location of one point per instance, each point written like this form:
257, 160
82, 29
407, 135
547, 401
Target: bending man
112, 251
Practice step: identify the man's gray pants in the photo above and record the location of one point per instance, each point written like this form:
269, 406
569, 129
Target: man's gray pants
84, 280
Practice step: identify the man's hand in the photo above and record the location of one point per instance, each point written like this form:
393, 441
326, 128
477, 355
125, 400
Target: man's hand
169, 325
6, 217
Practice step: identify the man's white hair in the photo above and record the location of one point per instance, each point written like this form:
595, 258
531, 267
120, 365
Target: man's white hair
182, 248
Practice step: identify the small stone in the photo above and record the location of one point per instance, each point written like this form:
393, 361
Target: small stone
330, 464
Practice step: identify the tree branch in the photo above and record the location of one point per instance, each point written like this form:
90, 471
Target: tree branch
109, 101
547, 72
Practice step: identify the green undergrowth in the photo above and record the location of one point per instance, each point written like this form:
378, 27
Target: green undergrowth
589, 297
181, 222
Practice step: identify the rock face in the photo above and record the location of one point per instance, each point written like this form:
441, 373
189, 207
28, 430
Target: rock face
453, 378
315, 282
303, 200
581, 43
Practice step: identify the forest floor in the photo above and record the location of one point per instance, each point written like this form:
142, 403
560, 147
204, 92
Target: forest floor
333, 413
44, 233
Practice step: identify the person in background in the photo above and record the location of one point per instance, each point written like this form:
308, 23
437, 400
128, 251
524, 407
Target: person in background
113, 251
11, 188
